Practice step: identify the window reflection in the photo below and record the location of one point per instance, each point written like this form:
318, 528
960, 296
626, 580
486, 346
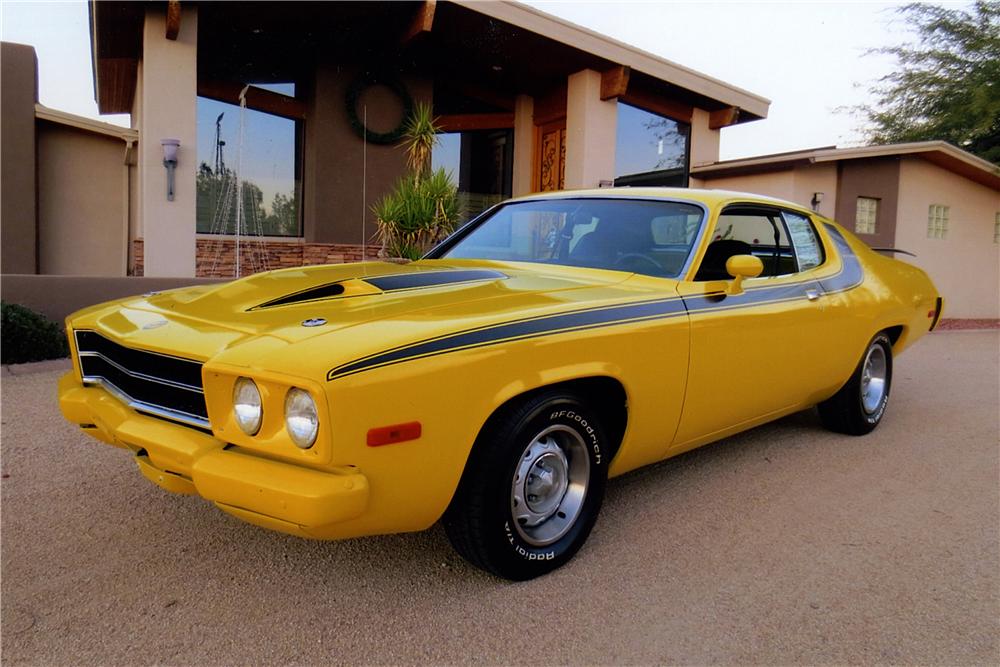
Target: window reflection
269, 169
650, 149
481, 165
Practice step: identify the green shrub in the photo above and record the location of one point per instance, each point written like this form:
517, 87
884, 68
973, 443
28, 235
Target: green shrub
423, 208
27, 336
416, 215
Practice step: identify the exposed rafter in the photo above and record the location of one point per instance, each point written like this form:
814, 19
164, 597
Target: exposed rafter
723, 118
422, 22
614, 82
475, 121
173, 19
257, 98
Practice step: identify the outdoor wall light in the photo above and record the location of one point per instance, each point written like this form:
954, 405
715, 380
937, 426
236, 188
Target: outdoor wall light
170, 147
817, 198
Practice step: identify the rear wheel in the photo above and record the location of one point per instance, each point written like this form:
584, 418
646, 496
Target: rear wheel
532, 488
860, 404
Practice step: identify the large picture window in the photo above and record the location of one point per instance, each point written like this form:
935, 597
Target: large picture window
268, 166
481, 165
650, 149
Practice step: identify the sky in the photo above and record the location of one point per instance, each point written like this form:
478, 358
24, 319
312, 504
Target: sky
808, 58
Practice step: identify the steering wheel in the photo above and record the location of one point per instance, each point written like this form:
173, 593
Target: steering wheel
658, 269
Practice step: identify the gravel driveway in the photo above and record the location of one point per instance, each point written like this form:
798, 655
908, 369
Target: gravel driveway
785, 544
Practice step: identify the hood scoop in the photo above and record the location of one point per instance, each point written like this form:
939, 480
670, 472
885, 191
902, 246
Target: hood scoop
381, 284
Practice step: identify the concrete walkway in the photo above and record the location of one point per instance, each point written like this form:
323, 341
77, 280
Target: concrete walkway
786, 544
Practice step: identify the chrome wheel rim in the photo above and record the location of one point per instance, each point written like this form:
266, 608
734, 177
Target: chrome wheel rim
549, 486
873, 379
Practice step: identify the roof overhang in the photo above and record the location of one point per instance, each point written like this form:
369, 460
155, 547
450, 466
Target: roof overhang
940, 153
117, 33
750, 106
115, 49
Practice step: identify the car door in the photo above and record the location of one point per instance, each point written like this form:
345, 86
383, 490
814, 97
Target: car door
761, 352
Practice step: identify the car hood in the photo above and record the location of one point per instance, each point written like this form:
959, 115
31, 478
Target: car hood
318, 310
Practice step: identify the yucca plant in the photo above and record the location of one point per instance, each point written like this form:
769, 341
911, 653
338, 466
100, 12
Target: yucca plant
423, 207
419, 137
416, 214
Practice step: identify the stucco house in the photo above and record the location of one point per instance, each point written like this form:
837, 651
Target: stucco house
929, 198
527, 102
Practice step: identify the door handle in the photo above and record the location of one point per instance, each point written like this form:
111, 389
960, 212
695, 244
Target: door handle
812, 294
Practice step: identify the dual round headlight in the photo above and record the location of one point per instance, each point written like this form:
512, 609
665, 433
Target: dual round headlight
247, 406
301, 416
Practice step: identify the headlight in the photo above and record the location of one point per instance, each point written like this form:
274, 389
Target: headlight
301, 418
247, 406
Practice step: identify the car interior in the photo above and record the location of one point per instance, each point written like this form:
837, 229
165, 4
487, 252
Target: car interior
748, 230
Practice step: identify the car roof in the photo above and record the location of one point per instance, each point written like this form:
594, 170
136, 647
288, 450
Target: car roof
710, 198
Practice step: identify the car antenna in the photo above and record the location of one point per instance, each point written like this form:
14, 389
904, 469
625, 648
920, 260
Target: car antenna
364, 190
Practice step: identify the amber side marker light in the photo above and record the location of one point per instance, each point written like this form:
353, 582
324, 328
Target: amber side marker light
390, 435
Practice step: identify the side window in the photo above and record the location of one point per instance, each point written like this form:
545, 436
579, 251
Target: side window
808, 249
748, 230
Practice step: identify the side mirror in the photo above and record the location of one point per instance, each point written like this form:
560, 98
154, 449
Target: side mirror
740, 267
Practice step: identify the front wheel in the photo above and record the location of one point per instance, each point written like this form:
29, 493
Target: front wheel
860, 404
532, 488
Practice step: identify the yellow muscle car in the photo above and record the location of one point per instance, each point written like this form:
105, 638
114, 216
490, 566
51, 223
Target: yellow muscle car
553, 342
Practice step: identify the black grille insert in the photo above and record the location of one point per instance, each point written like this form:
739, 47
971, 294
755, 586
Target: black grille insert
156, 384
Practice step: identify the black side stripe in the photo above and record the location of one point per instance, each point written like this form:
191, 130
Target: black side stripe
849, 276
518, 330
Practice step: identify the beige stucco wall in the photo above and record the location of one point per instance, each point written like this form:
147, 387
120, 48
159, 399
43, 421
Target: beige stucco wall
591, 127
796, 185
965, 265
524, 145
167, 110
81, 202
18, 94
704, 140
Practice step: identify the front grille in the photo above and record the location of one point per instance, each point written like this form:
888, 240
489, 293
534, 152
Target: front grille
156, 384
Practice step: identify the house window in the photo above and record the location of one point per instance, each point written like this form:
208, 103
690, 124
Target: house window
270, 169
650, 149
866, 217
937, 221
481, 164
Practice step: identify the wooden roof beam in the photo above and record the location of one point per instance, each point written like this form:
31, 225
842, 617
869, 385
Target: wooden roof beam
173, 19
422, 22
723, 118
475, 121
614, 82
257, 98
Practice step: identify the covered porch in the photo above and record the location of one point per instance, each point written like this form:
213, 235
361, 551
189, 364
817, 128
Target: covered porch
526, 102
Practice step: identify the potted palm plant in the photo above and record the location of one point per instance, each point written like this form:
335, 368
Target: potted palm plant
423, 207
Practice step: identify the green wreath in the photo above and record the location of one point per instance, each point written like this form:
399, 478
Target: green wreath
364, 82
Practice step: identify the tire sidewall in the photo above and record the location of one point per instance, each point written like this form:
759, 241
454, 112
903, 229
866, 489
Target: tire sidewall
520, 556
872, 419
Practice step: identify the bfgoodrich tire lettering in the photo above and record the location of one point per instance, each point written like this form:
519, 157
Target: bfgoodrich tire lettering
532, 488
860, 404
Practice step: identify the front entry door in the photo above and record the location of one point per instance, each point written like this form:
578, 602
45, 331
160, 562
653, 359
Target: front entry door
550, 157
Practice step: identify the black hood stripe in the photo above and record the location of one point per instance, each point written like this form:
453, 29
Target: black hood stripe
389, 283
849, 277
420, 279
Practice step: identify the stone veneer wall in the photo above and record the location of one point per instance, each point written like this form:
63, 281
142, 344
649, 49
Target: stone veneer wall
217, 257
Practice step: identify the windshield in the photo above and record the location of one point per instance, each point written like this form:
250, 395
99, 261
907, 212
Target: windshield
639, 236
